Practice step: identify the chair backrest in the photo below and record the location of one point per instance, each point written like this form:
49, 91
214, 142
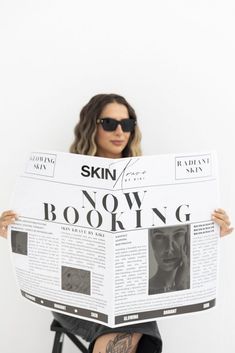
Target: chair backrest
59, 338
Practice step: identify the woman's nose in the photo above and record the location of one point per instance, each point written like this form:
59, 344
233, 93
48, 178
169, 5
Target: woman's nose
119, 129
170, 245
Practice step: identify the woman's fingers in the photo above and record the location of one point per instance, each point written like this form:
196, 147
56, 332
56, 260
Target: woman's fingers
222, 219
8, 213
5, 221
184, 255
7, 217
221, 214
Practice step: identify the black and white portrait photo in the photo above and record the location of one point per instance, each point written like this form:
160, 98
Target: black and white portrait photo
76, 280
19, 242
169, 259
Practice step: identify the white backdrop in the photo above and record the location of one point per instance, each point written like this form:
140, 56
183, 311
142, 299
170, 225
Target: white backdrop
174, 62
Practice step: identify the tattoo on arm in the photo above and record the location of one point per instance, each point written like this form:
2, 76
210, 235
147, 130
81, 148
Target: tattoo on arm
122, 343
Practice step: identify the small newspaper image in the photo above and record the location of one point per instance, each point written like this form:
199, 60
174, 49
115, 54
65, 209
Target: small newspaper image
117, 241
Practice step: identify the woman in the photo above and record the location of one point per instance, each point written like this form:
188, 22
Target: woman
108, 128
170, 247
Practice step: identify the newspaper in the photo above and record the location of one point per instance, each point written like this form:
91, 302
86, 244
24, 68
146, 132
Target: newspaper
117, 241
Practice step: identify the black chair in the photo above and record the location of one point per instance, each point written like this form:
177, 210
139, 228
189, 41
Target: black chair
59, 338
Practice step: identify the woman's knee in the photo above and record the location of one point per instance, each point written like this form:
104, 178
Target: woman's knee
117, 343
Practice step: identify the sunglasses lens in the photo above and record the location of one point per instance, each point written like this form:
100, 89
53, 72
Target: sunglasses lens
109, 124
128, 125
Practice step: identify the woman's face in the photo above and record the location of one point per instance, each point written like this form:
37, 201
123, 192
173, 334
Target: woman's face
110, 144
75, 280
168, 244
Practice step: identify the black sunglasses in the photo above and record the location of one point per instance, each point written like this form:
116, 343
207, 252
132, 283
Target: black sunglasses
110, 124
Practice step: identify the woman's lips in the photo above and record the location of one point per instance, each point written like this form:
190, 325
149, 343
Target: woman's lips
170, 260
117, 142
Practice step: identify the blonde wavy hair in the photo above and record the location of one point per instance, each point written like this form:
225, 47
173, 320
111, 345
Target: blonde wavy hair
85, 130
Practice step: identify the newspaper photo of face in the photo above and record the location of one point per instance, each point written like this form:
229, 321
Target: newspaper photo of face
171, 250
19, 242
76, 280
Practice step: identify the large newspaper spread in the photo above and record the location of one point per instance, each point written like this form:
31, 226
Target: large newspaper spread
117, 241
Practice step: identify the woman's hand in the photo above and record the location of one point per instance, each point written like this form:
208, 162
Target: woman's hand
182, 277
6, 218
220, 217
